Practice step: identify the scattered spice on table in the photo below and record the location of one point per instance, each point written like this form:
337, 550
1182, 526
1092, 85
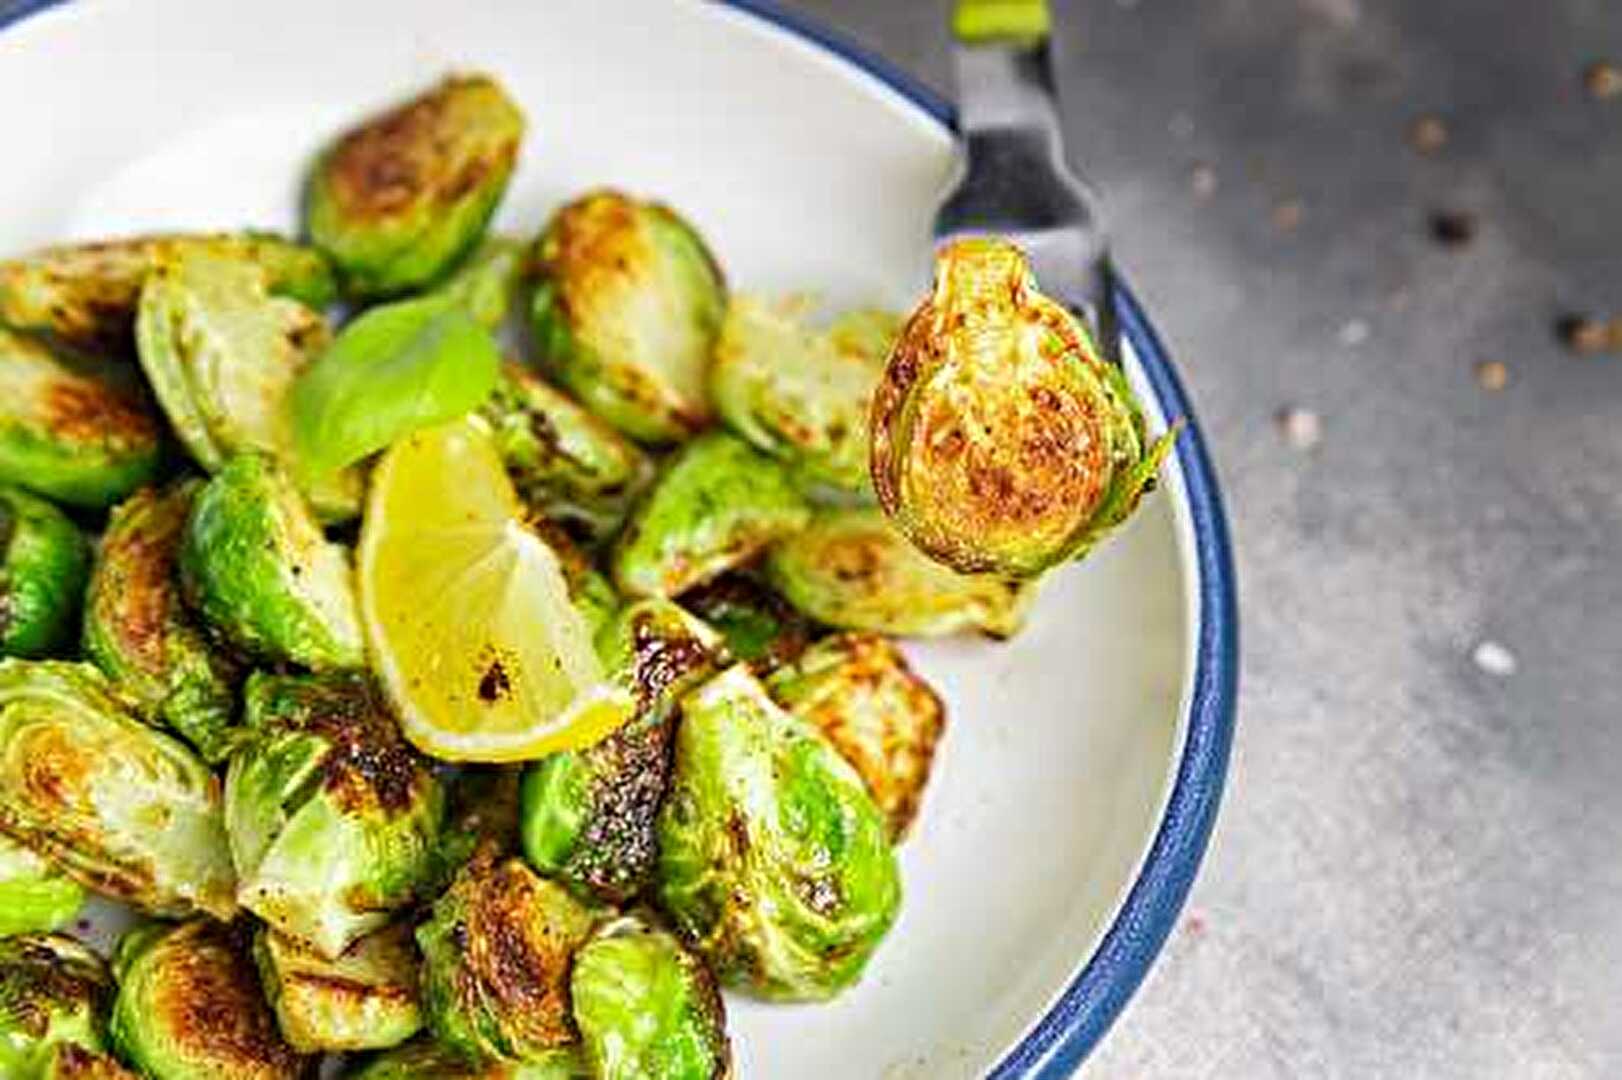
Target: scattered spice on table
1427, 134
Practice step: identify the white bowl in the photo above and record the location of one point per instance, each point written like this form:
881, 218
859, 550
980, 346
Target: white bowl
1083, 761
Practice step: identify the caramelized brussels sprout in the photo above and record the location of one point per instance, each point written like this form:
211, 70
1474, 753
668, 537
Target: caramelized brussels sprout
425, 1059
859, 691
333, 820
189, 1007
137, 630
647, 1007
256, 565
626, 309
124, 809
801, 395
587, 815
773, 859
398, 201
366, 999
759, 627
851, 569
74, 431
565, 463
53, 992
44, 561
496, 953
1001, 441
85, 294
34, 895
70, 1061
487, 282
718, 504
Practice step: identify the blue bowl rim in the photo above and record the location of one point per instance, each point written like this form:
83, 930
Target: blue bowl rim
1074, 1023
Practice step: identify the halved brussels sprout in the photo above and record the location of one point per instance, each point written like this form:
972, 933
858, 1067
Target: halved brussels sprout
717, 505
496, 954
125, 810
74, 431
1001, 441
851, 569
85, 294
627, 305
801, 395
366, 999
773, 859
586, 816
222, 355
189, 1007
402, 198
564, 461
759, 627
646, 1007
425, 1059
70, 1061
44, 561
137, 630
333, 820
487, 281
35, 896
256, 565
861, 694
53, 991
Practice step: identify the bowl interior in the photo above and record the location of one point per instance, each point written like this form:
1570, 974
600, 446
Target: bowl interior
805, 175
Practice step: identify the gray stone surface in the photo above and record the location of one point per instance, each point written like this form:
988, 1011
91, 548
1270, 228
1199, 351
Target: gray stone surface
1418, 869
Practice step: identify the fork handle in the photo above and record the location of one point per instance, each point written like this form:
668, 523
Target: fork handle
1004, 68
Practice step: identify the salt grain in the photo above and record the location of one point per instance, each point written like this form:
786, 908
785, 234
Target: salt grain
1301, 428
1354, 333
1494, 659
1203, 180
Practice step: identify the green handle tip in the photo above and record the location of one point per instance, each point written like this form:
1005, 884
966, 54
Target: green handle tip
977, 21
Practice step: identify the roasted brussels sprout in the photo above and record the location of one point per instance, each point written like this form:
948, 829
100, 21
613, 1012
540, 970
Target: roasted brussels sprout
425, 1059
646, 1007
74, 431
627, 305
222, 355
481, 815
44, 561
34, 895
861, 694
564, 461
401, 199
137, 630
801, 395
773, 858
759, 627
851, 569
496, 953
189, 1007
257, 566
487, 281
1001, 441
124, 809
85, 294
53, 991
333, 820
718, 504
70, 1061
586, 816
366, 999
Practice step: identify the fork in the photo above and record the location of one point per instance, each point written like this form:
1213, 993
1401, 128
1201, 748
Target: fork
1013, 179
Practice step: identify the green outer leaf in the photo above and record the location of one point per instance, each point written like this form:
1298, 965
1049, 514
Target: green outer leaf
34, 895
44, 561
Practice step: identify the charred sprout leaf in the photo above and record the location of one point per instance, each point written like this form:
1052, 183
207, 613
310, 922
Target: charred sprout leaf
718, 504
124, 809
396, 369
254, 562
851, 569
773, 859
366, 999
565, 463
425, 1059
587, 816
481, 815
1001, 441
801, 395
626, 309
398, 201
858, 690
759, 627
486, 284
646, 1007
189, 1007
74, 431
496, 954
34, 895
53, 992
333, 820
44, 561
85, 294
70, 1061
140, 634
